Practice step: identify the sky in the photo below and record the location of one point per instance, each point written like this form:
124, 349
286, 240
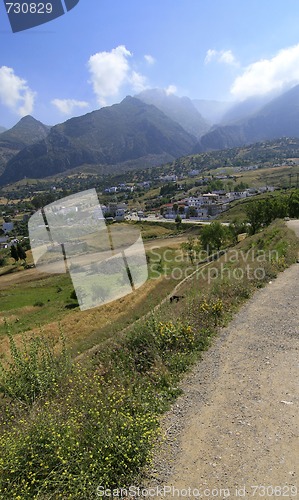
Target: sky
102, 50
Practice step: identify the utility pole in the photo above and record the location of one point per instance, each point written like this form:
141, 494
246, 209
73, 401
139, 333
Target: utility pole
290, 176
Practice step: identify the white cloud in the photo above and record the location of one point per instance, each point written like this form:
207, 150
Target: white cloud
171, 89
15, 93
150, 59
67, 106
268, 75
221, 56
110, 71
138, 82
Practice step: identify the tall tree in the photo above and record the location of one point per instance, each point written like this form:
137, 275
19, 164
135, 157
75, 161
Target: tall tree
255, 215
21, 252
14, 253
178, 221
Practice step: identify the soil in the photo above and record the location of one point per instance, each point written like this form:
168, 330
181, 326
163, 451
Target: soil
234, 431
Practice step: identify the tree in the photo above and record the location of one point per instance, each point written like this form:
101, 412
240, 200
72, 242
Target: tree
192, 212
294, 204
241, 186
14, 253
255, 215
213, 236
178, 221
21, 252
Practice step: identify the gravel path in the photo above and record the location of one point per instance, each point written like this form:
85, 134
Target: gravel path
234, 432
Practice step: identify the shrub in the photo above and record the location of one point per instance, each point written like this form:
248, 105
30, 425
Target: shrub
38, 303
33, 370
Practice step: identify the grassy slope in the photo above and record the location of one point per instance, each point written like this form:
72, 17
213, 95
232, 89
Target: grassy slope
32, 302
97, 427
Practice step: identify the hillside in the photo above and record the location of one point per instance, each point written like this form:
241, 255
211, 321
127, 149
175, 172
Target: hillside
109, 137
278, 118
179, 109
2, 129
244, 109
25, 133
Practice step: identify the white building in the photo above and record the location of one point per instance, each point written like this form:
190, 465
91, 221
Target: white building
205, 199
120, 214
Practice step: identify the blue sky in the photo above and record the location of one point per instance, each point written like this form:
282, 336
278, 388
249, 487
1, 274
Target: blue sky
103, 50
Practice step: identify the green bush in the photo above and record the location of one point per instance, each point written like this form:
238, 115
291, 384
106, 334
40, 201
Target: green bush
38, 303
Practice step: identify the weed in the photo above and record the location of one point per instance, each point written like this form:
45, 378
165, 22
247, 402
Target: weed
33, 370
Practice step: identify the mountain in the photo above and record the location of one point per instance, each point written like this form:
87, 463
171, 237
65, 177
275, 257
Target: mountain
2, 129
112, 137
26, 132
279, 118
212, 111
244, 109
179, 109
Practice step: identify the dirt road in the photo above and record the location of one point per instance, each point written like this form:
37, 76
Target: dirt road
234, 432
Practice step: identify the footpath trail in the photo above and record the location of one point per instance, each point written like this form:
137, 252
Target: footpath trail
234, 432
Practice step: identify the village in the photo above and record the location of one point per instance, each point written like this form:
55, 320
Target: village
118, 204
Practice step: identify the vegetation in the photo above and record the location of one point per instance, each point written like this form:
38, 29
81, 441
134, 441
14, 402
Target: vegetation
96, 424
262, 213
214, 236
34, 369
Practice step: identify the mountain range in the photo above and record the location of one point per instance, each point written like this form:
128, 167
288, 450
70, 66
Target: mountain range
113, 137
278, 118
147, 130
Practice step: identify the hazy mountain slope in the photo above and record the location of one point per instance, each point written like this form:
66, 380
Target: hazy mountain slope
243, 110
179, 109
2, 129
278, 118
212, 111
110, 136
26, 132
